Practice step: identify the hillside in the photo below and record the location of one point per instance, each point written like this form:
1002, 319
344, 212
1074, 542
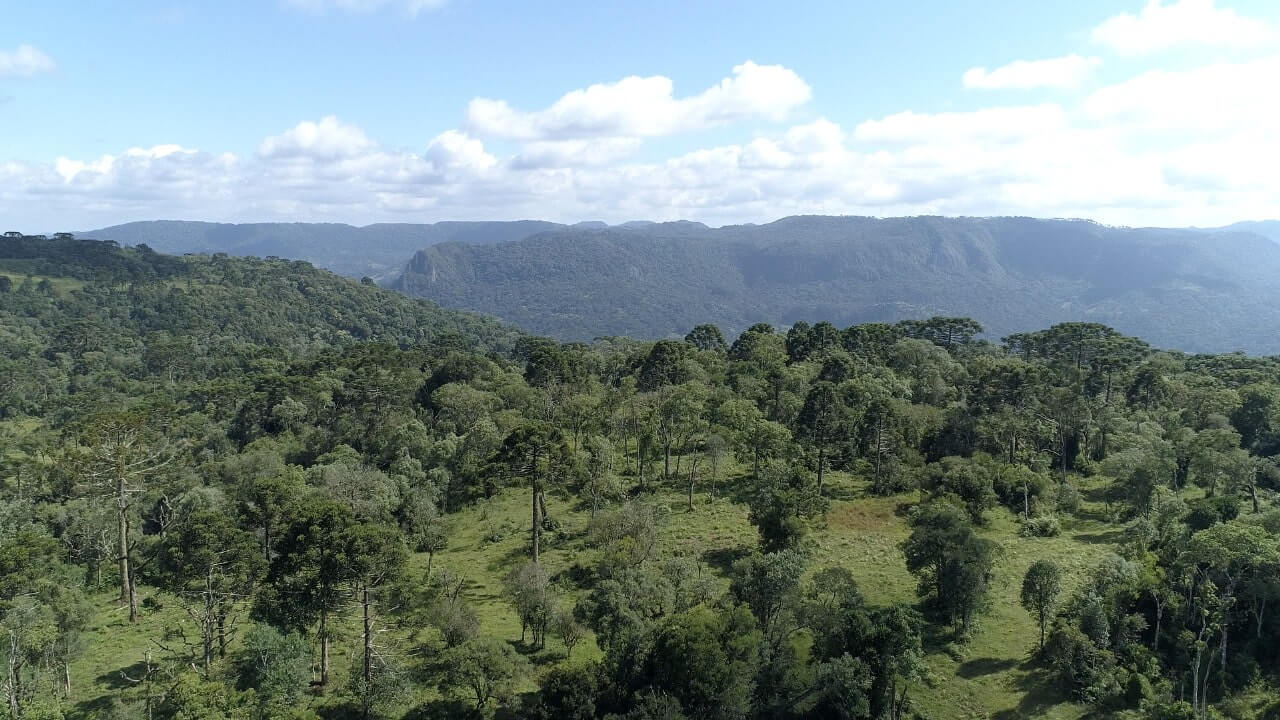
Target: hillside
253, 490
1181, 289
77, 301
378, 251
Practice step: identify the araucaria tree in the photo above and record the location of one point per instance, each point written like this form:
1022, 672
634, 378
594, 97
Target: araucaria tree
117, 453
538, 453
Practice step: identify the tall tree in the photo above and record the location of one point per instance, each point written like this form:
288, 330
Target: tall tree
537, 452
820, 421
308, 578
117, 454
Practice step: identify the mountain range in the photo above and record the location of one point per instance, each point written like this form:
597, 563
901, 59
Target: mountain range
1190, 289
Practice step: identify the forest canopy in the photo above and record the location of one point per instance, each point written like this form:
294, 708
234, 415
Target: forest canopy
242, 488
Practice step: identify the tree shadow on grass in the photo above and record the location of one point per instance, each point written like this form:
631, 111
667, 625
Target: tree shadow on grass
1040, 692
537, 656
443, 709
722, 559
116, 680
984, 666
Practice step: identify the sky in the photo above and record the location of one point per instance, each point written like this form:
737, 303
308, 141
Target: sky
1129, 112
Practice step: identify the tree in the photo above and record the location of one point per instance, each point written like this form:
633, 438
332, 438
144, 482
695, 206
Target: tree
263, 499
211, 566
537, 452
277, 666
707, 338
705, 660
308, 578
488, 668
376, 557
680, 410
954, 565
1040, 588
782, 498
116, 456
566, 627
820, 421
530, 593
765, 583
664, 365
424, 527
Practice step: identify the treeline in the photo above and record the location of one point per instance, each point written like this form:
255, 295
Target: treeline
266, 460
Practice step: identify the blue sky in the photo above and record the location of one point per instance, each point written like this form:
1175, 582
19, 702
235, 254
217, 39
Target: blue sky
1145, 112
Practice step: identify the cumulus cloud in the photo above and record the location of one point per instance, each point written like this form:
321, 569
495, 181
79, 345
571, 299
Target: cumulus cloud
996, 124
1182, 23
1161, 147
412, 7
1063, 72
646, 107
329, 139
24, 61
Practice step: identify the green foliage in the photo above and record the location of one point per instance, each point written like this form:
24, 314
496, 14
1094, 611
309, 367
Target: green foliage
1040, 589
366, 500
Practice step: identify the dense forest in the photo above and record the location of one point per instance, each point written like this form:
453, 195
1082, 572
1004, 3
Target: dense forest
1196, 291
238, 488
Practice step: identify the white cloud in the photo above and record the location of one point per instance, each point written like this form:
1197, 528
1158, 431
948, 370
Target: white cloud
1182, 23
646, 107
1162, 147
995, 124
24, 61
411, 7
1219, 97
329, 139
1064, 72
454, 150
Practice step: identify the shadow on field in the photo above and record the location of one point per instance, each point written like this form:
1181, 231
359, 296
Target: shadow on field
1040, 693
984, 666
722, 559
443, 709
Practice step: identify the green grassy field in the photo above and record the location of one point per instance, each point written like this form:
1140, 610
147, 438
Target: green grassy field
991, 676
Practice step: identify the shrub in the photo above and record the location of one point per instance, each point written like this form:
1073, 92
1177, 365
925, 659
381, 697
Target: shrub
1042, 526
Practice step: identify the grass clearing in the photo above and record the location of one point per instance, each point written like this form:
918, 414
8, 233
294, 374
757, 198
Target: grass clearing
991, 676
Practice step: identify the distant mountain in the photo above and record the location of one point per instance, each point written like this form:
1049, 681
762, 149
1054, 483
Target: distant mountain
1269, 229
1186, 289
378, 251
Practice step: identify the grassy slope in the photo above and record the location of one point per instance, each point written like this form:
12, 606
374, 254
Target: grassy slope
990, 677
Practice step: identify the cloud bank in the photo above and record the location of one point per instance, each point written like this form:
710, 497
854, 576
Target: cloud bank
1164, 145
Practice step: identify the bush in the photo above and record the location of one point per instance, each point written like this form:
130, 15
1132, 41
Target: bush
1068, 497
1042, 526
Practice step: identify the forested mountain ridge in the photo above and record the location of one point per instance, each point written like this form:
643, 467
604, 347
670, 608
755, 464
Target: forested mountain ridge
1190, 290
378, 251
75, 300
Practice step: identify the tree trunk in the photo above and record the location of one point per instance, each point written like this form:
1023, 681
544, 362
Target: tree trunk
122, 526
1155, 641
822, 458
133, 599
324, 647
879, 451
368, 649
536, 529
